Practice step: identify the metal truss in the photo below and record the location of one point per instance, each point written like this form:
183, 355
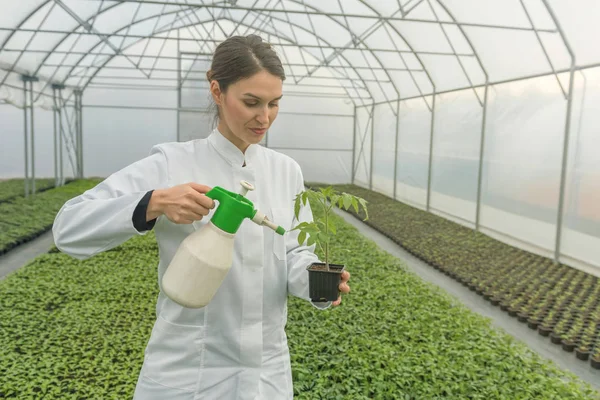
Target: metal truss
362, 84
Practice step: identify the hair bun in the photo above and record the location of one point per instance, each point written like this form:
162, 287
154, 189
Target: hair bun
254, 39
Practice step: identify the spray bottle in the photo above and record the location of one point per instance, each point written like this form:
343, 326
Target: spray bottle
204, 257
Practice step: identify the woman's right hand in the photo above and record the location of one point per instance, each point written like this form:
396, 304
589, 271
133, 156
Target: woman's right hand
182, 204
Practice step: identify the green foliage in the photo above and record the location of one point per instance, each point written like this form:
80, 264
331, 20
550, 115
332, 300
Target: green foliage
524, 284
22, 219
74, 329
322, 229
397, 337
12, 188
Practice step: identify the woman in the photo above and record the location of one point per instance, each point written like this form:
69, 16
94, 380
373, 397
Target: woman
235, 347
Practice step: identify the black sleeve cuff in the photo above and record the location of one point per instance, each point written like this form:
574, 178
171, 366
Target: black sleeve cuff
139, 214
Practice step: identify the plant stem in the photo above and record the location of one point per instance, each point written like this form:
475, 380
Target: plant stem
326, 209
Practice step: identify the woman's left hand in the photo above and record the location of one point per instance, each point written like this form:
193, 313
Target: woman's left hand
344, 287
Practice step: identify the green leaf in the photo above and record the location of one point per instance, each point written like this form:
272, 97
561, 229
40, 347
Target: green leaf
355, 204
305, 197
347, 201
297, 208
301, 238
363, 203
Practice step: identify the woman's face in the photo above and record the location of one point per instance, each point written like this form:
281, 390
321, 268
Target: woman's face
248, 108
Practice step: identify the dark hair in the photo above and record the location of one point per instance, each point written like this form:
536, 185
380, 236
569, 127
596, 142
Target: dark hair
240, 57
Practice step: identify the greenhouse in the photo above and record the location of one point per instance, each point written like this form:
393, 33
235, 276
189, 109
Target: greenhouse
448, 150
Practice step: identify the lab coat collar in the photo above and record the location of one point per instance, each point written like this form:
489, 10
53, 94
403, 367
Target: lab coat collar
229, 151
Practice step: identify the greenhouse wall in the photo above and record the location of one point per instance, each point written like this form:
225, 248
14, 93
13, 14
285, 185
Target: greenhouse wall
12, 164
120, 126
522, 160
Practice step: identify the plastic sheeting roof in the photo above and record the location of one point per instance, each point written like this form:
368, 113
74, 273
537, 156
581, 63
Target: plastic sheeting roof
374, 50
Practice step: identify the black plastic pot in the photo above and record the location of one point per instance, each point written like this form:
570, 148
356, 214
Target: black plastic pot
556, 339
595, 363
582, 355
568, 346
544, 330
323, 283
532, 323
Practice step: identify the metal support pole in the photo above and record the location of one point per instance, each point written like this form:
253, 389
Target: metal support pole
179, 83
565, 154
430, 152
78, 133
61, 139
58, 105
25, 141
353, 146
481, 150
80, 140
396, 148
81, 131
54, 112
32, 124
76, 138
372, 142
29, 126
563, 170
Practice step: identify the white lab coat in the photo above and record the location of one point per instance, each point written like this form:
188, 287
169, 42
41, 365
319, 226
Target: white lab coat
235, 348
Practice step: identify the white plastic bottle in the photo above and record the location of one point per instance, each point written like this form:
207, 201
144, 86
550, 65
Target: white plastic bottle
204, 258
199, 267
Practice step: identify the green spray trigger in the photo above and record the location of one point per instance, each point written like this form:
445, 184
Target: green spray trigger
234, 207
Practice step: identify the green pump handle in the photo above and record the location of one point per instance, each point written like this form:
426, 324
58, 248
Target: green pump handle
232, 209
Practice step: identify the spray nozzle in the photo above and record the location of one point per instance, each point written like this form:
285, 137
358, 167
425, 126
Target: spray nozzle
260, 218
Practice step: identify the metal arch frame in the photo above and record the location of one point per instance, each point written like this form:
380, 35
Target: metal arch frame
330, 14
432, 109
569, 96
66, 36
361, 40
408, 44
537, 35
80, 25
191, 7
567, 132
397, 113
334, 68
311, 32
62, 40
178, 28
12, 69
94, 16
55, 31
31, 14
17, 29
483, 117
149, 37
